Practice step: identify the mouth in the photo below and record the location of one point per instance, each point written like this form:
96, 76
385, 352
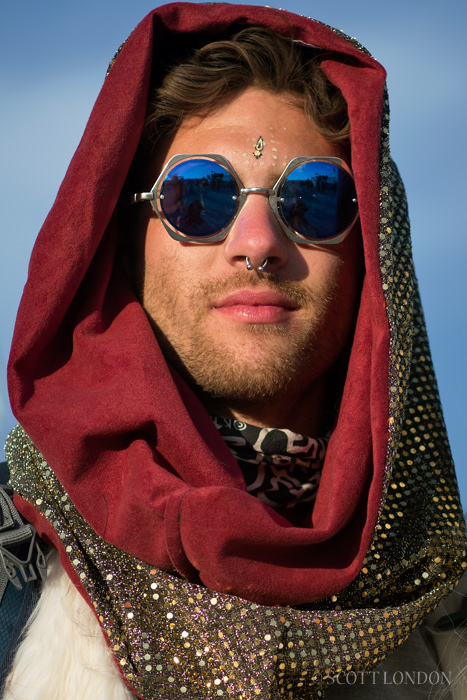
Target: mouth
255, 306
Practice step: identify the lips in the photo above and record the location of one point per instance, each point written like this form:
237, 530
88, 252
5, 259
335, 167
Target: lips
255, 306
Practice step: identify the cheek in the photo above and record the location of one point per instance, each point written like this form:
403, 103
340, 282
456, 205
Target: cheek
168, 266
151, 257
159, 250
335, 276
152, 239
326, 272
351, 265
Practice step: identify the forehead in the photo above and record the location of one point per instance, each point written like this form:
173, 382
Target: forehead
233, 130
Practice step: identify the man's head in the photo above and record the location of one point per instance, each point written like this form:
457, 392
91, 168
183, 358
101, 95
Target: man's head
257, 344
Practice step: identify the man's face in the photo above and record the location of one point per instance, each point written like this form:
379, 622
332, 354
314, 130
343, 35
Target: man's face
252, 340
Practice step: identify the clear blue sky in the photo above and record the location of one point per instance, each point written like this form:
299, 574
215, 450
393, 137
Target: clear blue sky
53, 57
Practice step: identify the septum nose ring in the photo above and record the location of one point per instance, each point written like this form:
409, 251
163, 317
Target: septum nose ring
249, 266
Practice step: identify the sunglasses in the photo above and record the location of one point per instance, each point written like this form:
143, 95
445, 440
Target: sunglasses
198, 198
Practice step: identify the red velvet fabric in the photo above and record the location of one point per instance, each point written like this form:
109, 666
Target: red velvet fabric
125, 435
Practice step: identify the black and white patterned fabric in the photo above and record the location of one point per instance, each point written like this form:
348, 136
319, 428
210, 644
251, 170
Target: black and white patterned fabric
281, 468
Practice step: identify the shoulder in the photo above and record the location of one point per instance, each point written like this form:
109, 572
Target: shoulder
4, 474
18, 591
411, 671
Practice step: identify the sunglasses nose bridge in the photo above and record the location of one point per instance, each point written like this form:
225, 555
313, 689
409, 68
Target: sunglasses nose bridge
257, 190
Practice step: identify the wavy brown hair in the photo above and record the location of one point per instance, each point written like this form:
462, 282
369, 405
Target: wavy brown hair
253, 57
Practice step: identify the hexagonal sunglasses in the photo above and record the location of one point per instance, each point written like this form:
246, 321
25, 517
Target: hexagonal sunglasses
198, 197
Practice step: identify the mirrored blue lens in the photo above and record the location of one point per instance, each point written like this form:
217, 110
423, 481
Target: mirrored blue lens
319, 200
197, 197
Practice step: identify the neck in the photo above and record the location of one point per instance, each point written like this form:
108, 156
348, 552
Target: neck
304, 413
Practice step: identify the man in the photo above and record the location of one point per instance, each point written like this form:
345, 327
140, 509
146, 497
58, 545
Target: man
227, 265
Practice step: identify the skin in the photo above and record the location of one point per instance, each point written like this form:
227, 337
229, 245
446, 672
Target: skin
255, 346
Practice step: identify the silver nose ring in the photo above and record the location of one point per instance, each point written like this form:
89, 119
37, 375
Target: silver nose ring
249, 266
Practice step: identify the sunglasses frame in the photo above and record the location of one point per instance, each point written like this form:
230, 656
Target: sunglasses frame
273, 196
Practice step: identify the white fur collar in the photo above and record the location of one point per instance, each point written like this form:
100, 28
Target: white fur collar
64, 655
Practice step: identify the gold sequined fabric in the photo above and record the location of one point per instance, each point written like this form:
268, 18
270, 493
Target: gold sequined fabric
173, 639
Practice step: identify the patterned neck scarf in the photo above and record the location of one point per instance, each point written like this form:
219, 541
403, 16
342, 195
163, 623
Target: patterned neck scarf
281, 468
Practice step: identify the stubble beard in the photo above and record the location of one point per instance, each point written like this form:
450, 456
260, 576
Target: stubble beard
285, 360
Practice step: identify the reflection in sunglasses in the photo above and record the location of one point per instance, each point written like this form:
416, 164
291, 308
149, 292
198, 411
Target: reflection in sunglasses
198, 197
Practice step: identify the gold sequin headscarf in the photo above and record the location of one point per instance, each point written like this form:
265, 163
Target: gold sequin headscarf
103, 474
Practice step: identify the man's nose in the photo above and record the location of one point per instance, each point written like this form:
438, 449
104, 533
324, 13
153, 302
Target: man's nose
257, 235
